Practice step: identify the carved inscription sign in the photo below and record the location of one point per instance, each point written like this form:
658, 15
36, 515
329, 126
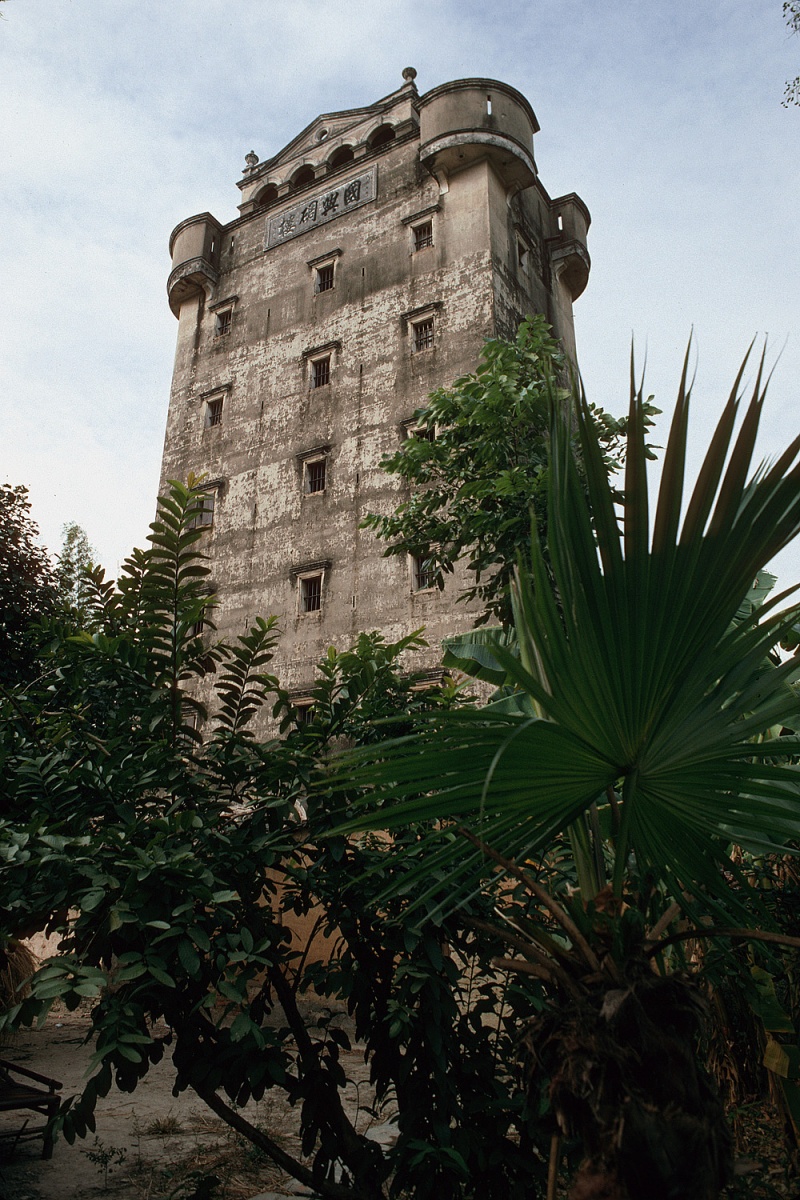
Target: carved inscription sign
317, 210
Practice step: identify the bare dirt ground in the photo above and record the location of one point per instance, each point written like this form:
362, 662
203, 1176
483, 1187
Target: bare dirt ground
149, 1145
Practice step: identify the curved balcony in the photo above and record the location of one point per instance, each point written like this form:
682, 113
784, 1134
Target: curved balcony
571, 264
472, 119
194, 246
189, 278
450, 153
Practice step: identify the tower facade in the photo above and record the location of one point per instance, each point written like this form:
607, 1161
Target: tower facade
372, 257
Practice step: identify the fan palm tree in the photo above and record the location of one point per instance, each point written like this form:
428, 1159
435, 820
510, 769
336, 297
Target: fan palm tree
644, 750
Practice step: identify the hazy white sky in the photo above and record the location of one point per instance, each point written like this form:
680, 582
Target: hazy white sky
121, 118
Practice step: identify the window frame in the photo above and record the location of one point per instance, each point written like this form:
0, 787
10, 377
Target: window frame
417, 320
318, 368
302, 576
309, 466
324, 278
419, 220
422, 232
223, 322
311, 593
215, 406
419, 572
303, 711
423, 333
324, 262
204, 519
313, 358
412, 428
223, 312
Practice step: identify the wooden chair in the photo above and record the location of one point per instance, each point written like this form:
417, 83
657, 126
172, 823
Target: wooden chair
18, 1095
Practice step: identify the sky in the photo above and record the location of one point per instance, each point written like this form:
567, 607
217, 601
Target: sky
121, 118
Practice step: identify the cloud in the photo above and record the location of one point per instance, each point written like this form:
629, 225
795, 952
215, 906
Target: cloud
121, 119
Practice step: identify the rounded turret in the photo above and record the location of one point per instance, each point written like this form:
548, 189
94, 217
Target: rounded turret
194, 246
472, 119
569, 257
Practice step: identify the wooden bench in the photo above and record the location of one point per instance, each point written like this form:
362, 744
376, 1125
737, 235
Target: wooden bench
19, 1095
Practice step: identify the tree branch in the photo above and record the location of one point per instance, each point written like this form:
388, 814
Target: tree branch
744, 935
336, 1191
356, 1152
543, 896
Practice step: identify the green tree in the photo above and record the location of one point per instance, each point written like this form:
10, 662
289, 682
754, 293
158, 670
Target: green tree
479, 466
646, 747
76, 558
168, 863
27, 585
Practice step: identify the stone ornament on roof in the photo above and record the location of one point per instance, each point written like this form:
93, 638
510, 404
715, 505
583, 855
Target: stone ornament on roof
252, 161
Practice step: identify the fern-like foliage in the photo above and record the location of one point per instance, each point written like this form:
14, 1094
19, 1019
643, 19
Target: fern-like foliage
244, 687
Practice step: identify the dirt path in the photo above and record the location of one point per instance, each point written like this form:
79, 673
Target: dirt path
149, 1145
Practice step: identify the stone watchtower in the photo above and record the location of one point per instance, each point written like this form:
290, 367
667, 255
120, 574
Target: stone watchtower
371, 258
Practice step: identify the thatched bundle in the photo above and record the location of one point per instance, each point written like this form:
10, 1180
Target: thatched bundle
17, 964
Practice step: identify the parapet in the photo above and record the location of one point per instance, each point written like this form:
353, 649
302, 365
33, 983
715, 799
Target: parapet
194, 246
469, 119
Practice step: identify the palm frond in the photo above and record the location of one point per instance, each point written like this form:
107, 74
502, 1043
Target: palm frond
635, 661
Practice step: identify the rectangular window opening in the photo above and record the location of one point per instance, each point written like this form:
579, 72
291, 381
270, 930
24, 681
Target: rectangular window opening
214, 412
423, 335
321, 372
426, 435
204, 515
223, 322
324, 282
311, 594
423, 573
423, 235
315, 475
488, 106
196, 630
303, 713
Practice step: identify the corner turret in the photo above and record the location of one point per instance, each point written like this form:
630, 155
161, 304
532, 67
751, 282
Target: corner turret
471, 119
194, 246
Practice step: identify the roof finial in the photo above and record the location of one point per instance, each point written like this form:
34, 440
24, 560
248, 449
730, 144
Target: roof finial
409, 74
252, 160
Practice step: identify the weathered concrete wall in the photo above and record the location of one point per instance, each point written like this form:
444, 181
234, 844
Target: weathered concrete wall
488, 266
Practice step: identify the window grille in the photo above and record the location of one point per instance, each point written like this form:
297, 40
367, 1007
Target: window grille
214, 412
325, 278
424, 575
321, 372
224, 319
311, 594
423, 235
423, 335
315, 475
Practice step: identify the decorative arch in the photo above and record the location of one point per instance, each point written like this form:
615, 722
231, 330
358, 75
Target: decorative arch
381, 137
267, 195
340, 157
302, 177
